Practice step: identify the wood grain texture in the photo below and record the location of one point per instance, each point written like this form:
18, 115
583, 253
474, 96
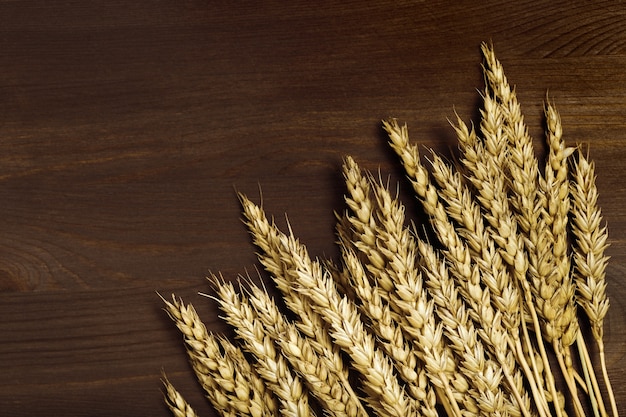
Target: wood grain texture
125, 128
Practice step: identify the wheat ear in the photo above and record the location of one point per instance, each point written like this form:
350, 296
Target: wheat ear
521, 161
309, 280
392, 264
538, 210
564, 325
177, 404
484, 374
591, 242
385, 393
359, 231
227, 378
555, 296
456, 251
391, 337
525, 198
485, 164
325, 375
271, 366
504, 310
281, 258
250, 388
589, 259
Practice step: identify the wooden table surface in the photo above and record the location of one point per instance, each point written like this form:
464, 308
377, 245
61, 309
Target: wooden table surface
126, 127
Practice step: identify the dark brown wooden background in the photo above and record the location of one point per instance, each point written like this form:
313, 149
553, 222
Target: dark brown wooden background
125, 128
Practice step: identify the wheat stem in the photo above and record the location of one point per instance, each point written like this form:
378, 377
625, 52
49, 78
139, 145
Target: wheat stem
606, 378
578, 408
591, 382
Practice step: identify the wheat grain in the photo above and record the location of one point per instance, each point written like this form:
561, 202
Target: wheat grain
224, 373
521, 163
461, 207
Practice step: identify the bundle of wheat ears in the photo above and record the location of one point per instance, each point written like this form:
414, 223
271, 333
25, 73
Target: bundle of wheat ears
493, 307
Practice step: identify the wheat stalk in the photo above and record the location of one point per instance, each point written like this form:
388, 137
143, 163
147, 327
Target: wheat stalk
463, 316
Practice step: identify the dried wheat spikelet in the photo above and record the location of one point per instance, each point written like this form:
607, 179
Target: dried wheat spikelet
480, 311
